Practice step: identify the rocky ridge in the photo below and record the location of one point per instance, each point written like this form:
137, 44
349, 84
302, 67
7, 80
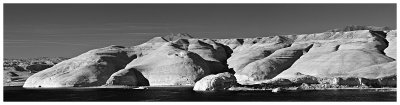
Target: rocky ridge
368, 55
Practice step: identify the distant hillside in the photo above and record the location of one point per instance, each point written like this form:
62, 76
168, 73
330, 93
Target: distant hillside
359, 27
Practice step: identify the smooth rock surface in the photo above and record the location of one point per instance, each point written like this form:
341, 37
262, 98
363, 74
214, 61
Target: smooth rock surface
339, 63
92, 68
170, 65
255, 49
127, 77
376, 71
391, 49
221, 81
274, 64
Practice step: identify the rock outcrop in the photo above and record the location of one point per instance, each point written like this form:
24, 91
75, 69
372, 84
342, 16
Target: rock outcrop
183, 60
214, 53
209, 50
127, 77
274, 64
92, 68
391, 49
354, 55
170, 65
254, 49
338, 63
347, 81
338, 54
301, 78
221, 81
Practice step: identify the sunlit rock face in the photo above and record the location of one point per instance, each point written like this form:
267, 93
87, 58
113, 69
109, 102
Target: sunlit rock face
392, 39
92, 68
339, 53
375, 71
127, 77
170, 65
366, 53
221, 81
180, 61
338, 63
254, 49
214, 53
272, 65
328, 54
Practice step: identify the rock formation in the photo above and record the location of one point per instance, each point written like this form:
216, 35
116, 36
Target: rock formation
338, 63
255, 49
221, 81
347, 81
274, 64
127, 77
92, 68
339, 54
354, 55
375, 71
170, 65
392, 39
301, 78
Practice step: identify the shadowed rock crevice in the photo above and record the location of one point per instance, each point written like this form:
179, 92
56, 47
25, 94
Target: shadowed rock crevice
384, 43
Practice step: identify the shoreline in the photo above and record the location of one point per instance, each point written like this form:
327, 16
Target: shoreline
285, 89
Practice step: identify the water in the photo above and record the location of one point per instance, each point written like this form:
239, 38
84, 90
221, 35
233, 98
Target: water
187, 94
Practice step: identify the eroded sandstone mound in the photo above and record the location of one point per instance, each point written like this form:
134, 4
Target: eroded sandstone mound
214, 53
274, 64
221, 81
170, 65
339, 53
338, 63
335, 53
353, 55
254, 49
92, 68
127, 77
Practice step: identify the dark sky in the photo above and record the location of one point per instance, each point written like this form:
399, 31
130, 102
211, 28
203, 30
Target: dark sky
67, 30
